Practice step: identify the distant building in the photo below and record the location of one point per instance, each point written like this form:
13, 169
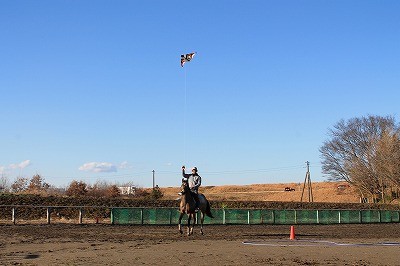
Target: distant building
127, 190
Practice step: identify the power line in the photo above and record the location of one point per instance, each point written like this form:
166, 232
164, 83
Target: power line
178, 172
262, 170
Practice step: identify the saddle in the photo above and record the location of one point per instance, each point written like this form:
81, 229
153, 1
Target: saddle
198, 198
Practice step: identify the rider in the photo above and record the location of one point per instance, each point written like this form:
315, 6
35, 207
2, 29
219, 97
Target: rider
194, 181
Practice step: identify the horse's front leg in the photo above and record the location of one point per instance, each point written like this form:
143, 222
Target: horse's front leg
180, 223
188, 224
191, 227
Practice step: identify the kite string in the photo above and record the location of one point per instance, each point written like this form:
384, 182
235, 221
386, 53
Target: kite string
184, 120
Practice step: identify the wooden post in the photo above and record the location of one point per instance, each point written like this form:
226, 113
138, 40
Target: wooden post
154, 181
13, 216
112, 216
307, 182
80, 215
48, 212
273, 216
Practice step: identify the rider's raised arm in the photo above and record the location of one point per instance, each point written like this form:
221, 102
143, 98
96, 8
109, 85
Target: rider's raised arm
184, 174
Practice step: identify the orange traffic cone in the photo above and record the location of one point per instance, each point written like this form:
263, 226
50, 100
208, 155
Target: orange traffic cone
292, 235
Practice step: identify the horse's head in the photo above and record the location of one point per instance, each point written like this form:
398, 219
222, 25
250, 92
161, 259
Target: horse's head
184, 186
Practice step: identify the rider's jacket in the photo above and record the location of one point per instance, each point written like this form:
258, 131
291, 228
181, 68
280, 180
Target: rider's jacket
194, 181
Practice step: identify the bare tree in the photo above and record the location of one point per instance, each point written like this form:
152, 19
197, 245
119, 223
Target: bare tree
77, 188
362, 152
37, 184
113, 192
387, 159
20, 184
99, 189
4, 185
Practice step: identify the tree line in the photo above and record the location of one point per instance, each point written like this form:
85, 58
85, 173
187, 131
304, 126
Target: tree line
37, 185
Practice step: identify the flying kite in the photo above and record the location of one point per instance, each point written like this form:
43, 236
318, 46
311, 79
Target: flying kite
186, 58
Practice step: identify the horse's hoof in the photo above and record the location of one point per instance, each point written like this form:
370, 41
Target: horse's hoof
180, 231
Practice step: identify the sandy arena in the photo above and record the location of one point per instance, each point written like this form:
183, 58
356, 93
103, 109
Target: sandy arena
101, 244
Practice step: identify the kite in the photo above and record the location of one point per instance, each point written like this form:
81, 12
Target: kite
186, 58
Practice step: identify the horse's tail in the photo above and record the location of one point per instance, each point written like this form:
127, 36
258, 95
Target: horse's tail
208, 210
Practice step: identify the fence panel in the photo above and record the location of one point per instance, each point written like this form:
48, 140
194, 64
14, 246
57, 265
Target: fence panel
255, 217
157, 216
350, 216
386, 216
306, 216
236, 216
267, 216
175, 216
328, 216
370, 216
284, 217
395, 216
126, 216
219, 217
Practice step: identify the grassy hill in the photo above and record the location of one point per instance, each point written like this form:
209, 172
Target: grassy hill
336, 192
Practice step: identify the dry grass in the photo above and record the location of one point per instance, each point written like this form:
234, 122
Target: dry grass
322, 192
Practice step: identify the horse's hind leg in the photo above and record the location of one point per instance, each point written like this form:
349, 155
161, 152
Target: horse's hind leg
193, 223
180, 223
201, 223
188, 225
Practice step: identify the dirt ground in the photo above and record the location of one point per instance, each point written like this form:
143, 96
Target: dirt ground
101, 244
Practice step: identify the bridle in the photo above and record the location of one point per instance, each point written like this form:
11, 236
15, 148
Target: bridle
184, 187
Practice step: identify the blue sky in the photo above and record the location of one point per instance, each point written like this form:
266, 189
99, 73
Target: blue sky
94, 91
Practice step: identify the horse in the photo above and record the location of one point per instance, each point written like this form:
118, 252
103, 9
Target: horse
188, 206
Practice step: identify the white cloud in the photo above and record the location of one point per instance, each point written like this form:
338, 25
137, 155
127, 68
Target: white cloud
125, 165
98, 167
20, 165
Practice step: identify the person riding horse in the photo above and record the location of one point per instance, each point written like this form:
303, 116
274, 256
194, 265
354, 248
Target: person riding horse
192, 201
194, 182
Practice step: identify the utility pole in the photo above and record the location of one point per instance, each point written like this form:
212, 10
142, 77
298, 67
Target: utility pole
154, 185
307, 182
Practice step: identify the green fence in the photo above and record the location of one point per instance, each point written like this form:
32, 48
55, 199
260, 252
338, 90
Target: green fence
166, 216
170, 216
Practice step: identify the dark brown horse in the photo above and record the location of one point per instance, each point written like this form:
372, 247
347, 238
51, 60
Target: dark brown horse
188, 206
